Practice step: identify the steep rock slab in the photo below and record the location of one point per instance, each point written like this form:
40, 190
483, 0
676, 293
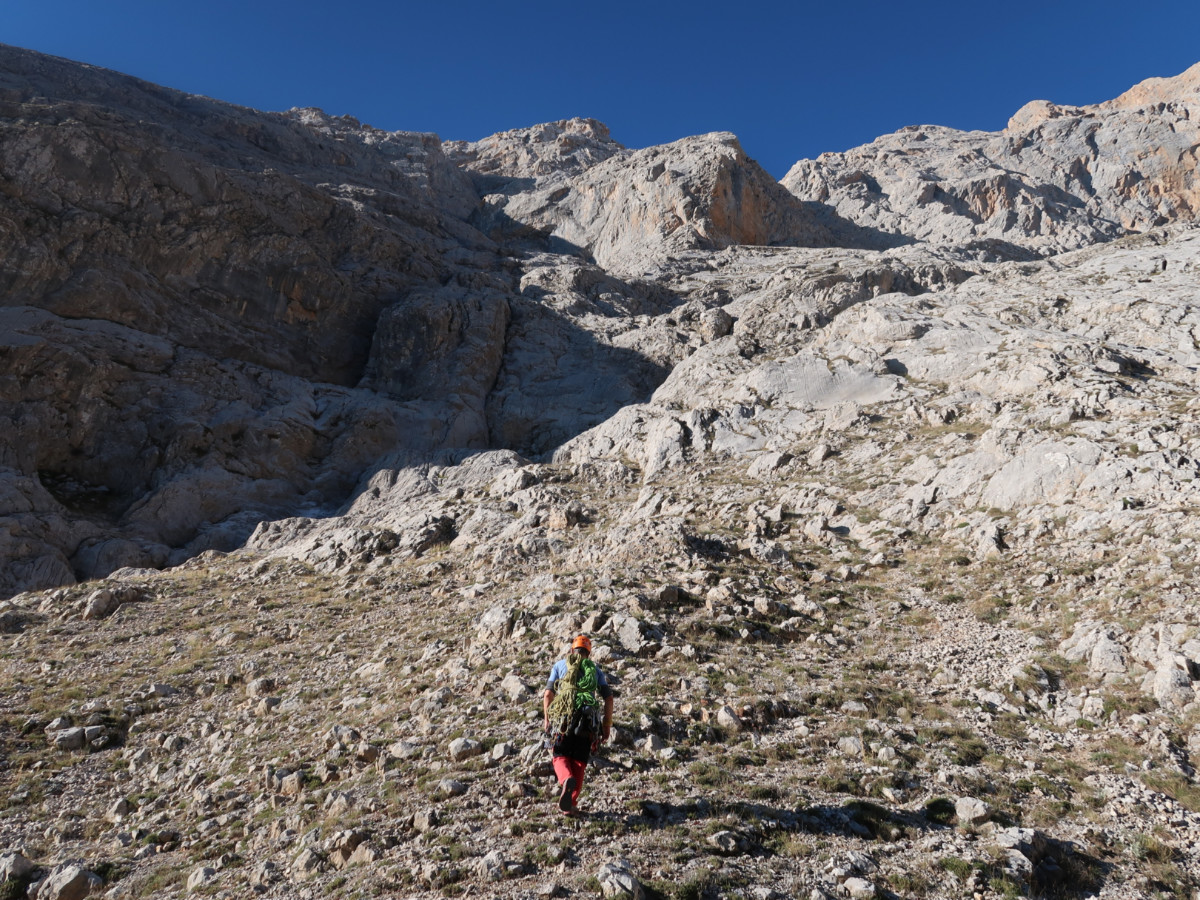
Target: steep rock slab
1057, 178
135, 453
760, 386
444, 347
581, 345
226, 230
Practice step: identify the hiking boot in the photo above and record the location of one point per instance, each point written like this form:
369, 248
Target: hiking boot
565, 803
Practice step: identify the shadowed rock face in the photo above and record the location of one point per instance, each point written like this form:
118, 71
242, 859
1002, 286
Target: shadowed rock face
226, 230
1057, 178
190, 294
214, 315
211, 316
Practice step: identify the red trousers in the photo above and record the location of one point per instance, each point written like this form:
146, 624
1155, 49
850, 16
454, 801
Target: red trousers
565, 768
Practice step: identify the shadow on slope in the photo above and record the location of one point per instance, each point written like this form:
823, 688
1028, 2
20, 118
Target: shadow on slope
850, 235
1046, 867
137, 452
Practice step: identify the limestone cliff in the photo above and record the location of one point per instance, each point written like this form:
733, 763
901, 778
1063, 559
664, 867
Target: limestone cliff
632, 210
1056, 178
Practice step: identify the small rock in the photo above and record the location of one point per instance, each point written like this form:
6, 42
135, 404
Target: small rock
14, 867
366, 752
851, 745
201, 877
100, 604
426, 820
715, 323
260, 687
307, 864
69, 739
363, 855
266, 706
514, 688
404, 750
341, 736
972, 811
727, 718
449, 787
617, 880
292, 785
769, 462
265, 874
1172, 687
859, 889
728, 842
492, 866
464, 748
94, 733
326, 772
860, 863
69, 881
504, 750
118, 811
338, 803
495, 624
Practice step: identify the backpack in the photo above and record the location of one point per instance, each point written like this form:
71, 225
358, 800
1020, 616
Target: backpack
576, 707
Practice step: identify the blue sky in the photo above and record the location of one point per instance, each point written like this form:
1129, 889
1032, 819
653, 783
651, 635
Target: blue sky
791, 79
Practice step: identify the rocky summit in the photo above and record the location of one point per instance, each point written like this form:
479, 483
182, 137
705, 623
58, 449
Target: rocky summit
875, 489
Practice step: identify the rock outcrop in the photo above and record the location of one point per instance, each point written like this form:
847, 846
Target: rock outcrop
631, 211
1056, 178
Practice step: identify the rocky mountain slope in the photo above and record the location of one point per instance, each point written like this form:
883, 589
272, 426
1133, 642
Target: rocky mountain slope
1057, 178
876, 490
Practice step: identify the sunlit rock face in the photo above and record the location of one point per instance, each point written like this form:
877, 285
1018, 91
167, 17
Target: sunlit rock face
1056, 178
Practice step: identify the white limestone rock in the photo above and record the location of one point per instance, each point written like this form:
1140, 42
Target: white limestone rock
972, 811
68, 881
1172, 687
618, 880
1057, 178
14, 866
464, 748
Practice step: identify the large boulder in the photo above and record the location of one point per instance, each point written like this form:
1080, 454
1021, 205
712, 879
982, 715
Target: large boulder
68, 881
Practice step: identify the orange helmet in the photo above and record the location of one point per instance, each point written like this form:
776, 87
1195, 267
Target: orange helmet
582, 643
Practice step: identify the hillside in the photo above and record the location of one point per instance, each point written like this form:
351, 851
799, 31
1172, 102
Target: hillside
875, 488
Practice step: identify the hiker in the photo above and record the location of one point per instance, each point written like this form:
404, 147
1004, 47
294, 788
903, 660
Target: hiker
573, 718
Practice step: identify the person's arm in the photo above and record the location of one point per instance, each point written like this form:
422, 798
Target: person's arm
606, 692
548, 696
